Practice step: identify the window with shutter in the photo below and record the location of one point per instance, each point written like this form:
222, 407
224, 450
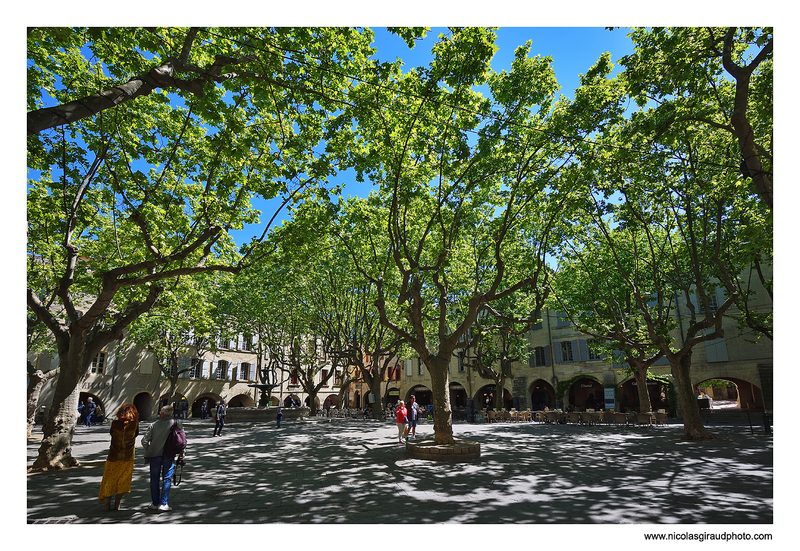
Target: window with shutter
222, 370
146, 365
716, 350
538, 357
565, 352
588, 350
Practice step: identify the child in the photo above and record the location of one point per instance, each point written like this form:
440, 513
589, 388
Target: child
279, 417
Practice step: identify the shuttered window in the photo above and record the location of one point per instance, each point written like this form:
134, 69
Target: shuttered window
566, 351
716, 350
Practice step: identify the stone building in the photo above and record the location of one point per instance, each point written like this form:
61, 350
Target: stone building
563, 370
123, 373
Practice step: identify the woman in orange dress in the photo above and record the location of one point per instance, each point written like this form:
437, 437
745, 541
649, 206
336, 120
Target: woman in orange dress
119, 463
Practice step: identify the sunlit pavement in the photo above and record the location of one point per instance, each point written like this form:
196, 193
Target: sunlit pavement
354, 471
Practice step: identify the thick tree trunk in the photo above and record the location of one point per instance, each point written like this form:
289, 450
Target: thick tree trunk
377, 405
36, 381
55, 451
440, 388
693, 428
640, 376
312, 403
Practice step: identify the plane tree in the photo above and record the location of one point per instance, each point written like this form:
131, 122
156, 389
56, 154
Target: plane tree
131, 194
605, 284
302, 354
717, 79
249, 304
459, 175
660, 224
344, 307
714, 78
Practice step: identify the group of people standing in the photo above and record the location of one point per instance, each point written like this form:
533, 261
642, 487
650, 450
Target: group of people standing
406, 419
118, 471
88, 412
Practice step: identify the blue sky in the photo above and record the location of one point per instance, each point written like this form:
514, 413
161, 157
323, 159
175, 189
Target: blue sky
573, 49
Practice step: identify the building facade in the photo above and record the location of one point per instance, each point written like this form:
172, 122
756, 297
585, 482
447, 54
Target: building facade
561, 370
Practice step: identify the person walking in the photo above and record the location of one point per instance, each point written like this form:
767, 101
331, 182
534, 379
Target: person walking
400, 419
220, 418
89, 410
278, 417
161, 466
412, 416
118, 470
204, 410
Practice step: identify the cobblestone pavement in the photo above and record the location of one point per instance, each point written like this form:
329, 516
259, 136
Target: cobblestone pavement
355, 472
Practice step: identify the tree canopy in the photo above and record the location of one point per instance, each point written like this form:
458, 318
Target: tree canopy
647, 189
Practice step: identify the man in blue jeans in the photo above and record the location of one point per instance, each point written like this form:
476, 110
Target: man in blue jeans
411, 418
89, 410
161, 466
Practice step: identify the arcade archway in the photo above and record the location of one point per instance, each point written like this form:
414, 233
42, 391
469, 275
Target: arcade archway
543, 395
307, 401
485, 397
210, 401
586, 393
291, 401
629, 395
458, 396
730, 392
242, 401
422, 395
392, 396
143, 402
100, 413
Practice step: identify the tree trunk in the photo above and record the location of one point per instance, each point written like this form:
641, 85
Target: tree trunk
499, 385
312, 403
55, 451
640, 376
375, 390
37, 379
693, 428
440, 388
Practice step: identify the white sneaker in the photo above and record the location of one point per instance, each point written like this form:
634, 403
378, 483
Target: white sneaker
153, 507
164, 507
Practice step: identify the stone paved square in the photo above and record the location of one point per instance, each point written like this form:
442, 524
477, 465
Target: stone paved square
348, 471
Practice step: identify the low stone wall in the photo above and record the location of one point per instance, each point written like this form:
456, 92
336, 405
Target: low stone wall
460, 450
240, 415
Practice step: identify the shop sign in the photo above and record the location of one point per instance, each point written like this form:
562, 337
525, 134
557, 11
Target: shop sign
609, 398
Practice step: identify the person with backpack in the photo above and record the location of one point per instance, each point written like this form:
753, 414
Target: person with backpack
163, 441
220, 418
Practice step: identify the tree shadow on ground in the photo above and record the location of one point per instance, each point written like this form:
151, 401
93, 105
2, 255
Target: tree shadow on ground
355, 472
